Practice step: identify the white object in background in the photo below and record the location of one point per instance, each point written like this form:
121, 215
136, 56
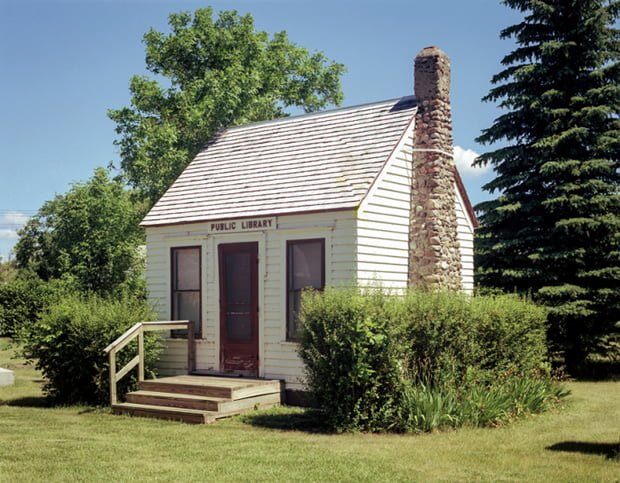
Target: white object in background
7, 377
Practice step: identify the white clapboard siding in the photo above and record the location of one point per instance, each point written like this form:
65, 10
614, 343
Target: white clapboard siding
465, 235
278, 357
383, 225
159, 243
174, 357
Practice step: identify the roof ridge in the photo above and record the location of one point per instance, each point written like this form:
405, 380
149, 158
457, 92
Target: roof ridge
337, 110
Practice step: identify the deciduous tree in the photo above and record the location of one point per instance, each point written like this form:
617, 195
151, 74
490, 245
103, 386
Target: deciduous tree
89, 235
215, 74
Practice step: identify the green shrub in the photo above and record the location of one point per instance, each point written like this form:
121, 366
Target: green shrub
452, 337
67, 344
510, 332
351, 364
437, 336
21, 302
375, 361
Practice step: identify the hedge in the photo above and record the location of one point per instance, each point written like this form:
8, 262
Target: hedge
67, 345
375, 361
21, 302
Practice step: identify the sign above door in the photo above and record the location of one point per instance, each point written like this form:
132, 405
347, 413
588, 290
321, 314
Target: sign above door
247, 224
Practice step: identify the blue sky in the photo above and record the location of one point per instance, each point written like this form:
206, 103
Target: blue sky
63, 63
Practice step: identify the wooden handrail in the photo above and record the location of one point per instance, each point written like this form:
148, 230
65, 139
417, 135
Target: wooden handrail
124, 339
138, 330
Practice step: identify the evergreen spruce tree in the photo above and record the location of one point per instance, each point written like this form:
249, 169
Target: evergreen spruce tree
553, 231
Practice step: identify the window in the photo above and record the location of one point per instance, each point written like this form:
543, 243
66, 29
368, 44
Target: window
305, 268
186, 295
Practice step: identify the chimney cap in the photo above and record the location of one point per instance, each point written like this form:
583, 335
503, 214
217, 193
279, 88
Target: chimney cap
431, 51
432, 74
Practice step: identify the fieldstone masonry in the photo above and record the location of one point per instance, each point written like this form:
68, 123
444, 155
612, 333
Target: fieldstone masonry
434, 257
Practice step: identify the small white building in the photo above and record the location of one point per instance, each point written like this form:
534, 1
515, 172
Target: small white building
269, 208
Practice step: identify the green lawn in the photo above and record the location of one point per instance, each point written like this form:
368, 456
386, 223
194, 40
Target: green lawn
37, 443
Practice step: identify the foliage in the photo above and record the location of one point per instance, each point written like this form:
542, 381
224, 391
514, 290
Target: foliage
351, 363
217, 73
376, 362
22, 301
67, 345
450, 338
553, 229
88, 236
433, 407
8, 271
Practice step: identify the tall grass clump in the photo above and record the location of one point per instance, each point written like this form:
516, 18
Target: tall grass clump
68, 340
375, 361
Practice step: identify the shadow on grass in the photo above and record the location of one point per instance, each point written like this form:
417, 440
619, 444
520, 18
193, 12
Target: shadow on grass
29, 402
308, 420
609, 450
46, 402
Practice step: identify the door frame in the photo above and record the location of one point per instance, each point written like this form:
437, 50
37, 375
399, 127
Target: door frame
236, 239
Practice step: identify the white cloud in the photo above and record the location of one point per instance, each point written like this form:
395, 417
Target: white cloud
463, 159
13, 218
8, 234
10, 222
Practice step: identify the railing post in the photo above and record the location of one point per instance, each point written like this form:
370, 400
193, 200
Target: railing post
113, 377
141, 355
190, 347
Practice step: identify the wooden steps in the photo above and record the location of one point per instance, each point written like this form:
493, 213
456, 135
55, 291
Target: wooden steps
192, 416
199, 399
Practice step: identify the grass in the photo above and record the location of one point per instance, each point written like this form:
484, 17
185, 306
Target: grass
38, 443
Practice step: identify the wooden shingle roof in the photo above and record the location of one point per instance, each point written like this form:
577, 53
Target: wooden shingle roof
315, 162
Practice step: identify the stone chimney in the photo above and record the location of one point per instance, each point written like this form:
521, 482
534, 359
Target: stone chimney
434, 258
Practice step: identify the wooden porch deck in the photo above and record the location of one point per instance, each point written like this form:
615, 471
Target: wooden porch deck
199, 399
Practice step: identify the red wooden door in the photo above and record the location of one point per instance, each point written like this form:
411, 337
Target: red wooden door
238, 267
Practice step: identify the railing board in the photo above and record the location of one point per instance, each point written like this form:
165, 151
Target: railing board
113, 397
141, 356
130, 365
124, 339
163, 325
138, 330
